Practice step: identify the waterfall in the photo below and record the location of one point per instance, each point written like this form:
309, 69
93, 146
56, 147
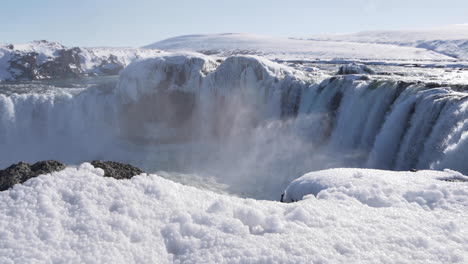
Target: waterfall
259, 122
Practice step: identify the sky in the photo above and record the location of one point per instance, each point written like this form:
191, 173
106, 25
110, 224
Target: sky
141, 22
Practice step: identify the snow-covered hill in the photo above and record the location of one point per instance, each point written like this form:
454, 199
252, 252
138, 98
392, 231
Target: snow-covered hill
449, 40
296, 49
44, 60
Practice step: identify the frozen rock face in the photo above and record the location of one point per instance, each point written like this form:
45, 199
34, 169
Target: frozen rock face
47, 60
355, 68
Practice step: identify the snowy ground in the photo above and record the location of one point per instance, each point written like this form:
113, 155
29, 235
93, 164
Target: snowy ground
450, 40
78, 216
278, 48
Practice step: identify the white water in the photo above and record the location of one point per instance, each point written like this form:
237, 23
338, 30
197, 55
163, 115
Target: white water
251, 123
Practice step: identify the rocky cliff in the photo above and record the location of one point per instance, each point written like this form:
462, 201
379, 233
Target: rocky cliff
48, 60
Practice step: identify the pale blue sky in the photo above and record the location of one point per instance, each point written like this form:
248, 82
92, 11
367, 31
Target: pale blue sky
141, 22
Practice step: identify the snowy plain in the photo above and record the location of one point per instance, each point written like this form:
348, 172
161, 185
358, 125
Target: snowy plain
282, 48
451, 40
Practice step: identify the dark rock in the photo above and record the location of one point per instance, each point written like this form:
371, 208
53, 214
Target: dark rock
111, 66
355, 68
66, 65
60, 62
117, 170
22, 171
455, 180
24, 65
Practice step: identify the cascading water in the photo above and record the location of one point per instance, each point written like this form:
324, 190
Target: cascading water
253, 124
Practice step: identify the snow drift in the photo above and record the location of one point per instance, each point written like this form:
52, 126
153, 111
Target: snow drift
254, 124
78, 216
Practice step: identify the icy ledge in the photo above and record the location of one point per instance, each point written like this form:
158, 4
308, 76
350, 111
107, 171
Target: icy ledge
79, 216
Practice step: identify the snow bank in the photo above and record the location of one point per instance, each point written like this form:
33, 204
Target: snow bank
78, 216
380, 188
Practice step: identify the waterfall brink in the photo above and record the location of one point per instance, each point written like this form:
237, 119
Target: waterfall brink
253, 123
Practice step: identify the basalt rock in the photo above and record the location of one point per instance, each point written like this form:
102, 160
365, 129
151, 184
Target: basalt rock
22, 171
65, 65
117, 170
111, 65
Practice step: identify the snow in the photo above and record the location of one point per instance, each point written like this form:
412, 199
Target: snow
44, 49
451, 40
78, 216
92, 57
194, 72
380, 188
296, 49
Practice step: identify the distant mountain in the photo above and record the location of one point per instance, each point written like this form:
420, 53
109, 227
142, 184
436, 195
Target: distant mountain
296, 49
449, 40
45, 60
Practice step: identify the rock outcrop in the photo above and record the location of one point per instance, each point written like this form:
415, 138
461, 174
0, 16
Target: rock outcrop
117, 170
22, 171
355, 68
50, 60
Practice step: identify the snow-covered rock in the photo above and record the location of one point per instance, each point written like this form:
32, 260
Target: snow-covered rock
45, 60
193, 95
355, 68
79, 216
